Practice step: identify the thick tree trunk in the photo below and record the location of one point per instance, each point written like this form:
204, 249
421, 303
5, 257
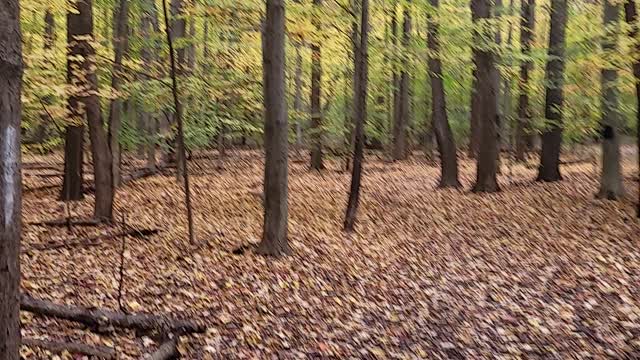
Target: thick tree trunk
549, 169
487, 165
400, 143
73, 159
444, 135
523, 127
611, 186
631, 16
81, 24
274, 236
120, 43
10, 183
360, 114
316, 95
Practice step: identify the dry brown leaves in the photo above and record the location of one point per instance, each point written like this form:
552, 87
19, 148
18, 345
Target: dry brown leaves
536, 271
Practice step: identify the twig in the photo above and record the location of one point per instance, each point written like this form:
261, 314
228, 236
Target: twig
102, 352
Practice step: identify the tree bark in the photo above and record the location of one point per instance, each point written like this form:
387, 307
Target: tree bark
444, 135
81, 24
487, 164
275, 232
549, 169
178, 32
527, 32
297, 98
42, 128
149, 26
360, 114
400, 146
474, 113
120, 43
11, 68
73, 159
611, 186
316, 93
631, 16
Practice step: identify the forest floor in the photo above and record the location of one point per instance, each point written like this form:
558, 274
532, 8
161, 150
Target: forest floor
535, 271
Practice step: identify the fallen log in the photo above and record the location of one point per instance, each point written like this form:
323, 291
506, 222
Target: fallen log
65, 222
168, 350
92, 241
101, 318
58, 347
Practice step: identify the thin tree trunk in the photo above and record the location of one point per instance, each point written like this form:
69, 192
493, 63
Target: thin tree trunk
73, 159
444, 135
178, 31
42, 129
400, 146
360, 114
120, 44
611, 186
191, 50
297, 99
274, 237
487, 164
149, 26
527, 32
316, 95
11, 67
631, 16
395, 77
474, 113
180, 135
549, 169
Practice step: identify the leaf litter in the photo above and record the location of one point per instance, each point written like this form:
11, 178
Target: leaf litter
536, 271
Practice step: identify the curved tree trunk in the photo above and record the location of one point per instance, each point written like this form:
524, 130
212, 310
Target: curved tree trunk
523, 127
611, 186
444, 135
549, 169
486, 93
274, 237
10, 182
360, 115
316, 96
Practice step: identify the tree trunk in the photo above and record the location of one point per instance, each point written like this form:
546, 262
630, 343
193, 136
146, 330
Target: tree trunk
549, 169
444, 135
274, 236
611, 186
42, 129
631, 16
73, 159
191, 53
360, 115
81, 24
10, 183
486, 93
400, 146
120, 44
149, 27
178, 31
395, 78
474, 113
316, 93
297, 99
523, 127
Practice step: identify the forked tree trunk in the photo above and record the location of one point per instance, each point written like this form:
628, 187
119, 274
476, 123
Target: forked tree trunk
631, 16
316, 95
10, 182
444, 135
487, 165
120, 43
360, 114
611, 186
400, 143
274, 237
549, 169
523, 127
